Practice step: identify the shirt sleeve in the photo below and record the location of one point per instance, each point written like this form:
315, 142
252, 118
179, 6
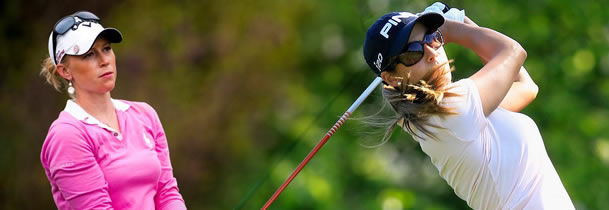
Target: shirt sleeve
168, 195
70, 164
469, 121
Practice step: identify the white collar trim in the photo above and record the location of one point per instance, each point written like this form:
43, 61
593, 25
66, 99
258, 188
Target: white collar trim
80, 114
120, 106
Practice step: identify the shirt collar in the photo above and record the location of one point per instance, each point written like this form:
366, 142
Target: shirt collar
80, 114
120, 106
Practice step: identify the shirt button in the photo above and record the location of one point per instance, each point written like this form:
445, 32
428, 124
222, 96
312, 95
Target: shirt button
115, 133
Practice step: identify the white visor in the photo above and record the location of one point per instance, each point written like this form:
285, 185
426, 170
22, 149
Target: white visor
79, 41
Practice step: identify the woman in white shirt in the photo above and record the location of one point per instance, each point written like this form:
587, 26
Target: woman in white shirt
491, 155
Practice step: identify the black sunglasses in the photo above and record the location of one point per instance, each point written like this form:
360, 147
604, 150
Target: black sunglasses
413, 52
69, 22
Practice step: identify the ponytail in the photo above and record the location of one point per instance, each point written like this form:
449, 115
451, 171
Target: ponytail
49, 72
415, 103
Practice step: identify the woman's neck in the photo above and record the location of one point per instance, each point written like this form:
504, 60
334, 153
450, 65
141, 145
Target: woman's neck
99, 106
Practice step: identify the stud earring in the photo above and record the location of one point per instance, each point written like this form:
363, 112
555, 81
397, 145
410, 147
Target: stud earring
71, 90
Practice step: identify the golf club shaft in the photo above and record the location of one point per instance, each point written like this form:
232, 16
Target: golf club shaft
329, 134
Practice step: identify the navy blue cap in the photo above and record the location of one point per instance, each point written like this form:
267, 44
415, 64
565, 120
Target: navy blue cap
388, 36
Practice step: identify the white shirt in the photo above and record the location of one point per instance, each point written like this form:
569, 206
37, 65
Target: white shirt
494, 162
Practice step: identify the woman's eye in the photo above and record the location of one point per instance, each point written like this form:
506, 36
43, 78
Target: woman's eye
107, 48
88, 54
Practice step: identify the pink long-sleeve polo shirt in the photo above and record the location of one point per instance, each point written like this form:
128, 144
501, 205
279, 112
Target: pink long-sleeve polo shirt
92, 166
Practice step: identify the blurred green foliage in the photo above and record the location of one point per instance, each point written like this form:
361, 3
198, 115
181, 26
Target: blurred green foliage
245, 89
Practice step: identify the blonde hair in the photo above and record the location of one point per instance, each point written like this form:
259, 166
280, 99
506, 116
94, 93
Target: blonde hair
415, 103
49, 72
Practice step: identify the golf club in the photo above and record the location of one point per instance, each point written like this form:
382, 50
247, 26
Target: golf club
329, 134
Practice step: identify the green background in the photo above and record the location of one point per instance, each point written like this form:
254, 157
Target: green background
245, 89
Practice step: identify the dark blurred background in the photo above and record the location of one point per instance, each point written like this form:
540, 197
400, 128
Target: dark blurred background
245, 89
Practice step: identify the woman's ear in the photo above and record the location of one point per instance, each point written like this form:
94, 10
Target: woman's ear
390, 79
63, 71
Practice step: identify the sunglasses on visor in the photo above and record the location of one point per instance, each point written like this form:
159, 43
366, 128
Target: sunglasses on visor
413, 52
70, 22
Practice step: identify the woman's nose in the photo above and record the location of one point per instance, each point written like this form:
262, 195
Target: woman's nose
430, 53
104, 59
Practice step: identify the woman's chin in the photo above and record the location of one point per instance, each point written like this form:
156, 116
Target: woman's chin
107, 87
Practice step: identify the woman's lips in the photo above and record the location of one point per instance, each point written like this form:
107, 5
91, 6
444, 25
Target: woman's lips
107, 74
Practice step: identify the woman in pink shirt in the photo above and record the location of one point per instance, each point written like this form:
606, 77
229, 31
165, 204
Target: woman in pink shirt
101, 153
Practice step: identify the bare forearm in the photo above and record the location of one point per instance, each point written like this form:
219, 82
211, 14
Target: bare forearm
485, 42
521, 94
468, 21
504, 55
